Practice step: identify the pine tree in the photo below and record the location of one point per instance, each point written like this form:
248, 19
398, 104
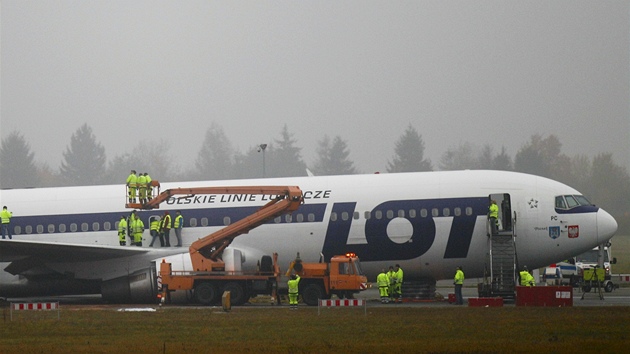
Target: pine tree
84, 159
409, 154
333, 159
214, 160
17, 166
284, 158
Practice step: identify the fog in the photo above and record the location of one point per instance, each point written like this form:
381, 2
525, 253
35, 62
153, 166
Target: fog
458, 71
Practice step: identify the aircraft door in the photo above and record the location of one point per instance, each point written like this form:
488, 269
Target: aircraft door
505, 211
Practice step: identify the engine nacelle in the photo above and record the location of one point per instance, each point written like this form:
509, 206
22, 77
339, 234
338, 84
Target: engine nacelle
139, 287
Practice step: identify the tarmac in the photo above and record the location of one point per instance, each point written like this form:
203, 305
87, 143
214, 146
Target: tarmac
618, 297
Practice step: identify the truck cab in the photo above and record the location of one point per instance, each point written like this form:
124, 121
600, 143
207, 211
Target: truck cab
342, 276
571, 271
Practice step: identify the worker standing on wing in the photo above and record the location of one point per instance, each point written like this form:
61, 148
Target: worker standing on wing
122, 231
165, 229
178, 224
154, 226
6, 216
138, 229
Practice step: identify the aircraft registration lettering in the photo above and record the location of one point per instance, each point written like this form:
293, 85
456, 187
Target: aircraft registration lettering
380, 247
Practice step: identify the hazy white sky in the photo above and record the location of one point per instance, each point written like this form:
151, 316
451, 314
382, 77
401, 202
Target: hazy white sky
480, 71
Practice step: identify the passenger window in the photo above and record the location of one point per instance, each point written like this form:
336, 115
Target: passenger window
424, 213
468, 211
40, 229
378, 214
62, 227
96, 226
401, 213
333, 216
85, 227
288, 218
356, 215
277, 220
204, 221
51, 228
345, 216
28, 229
435, 212
226, 220
17, 230
107, 226
193, 222
367, 215
299, 218
458, 211
446, 212
412, 213
311, 217
390, 214
73, 227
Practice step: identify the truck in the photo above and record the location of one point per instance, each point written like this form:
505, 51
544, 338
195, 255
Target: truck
216, 270
571, 271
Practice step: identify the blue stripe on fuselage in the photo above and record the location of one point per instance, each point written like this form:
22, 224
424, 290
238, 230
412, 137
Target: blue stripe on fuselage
215, 217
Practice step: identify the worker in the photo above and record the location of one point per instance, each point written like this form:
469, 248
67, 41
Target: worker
142, 188
178, 224
398, 283
526, 278
132, 183
149, 186
383, 284
165, 229
122, 231
6, 216
459, 282
138, 229
391, 275
130, 222
493, 214
293, 291
154, 227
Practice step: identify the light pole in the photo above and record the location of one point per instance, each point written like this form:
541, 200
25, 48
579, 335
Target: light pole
262, 148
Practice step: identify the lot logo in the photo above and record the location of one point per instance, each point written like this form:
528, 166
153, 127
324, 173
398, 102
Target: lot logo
574, 231
554, 232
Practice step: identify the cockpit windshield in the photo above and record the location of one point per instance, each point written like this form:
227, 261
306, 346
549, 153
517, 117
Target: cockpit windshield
571, 201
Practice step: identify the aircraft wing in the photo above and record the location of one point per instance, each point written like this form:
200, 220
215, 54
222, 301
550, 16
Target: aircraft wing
27, 255
12, 250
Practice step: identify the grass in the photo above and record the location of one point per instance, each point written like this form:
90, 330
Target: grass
338, 330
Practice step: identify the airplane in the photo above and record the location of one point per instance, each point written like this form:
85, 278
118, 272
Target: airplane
65, 239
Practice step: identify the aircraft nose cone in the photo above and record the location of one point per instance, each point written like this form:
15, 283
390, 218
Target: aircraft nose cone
606, 225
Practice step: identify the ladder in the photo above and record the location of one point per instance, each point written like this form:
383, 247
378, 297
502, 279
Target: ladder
500, 279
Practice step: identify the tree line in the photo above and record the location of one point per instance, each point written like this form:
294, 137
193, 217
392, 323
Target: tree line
85, 163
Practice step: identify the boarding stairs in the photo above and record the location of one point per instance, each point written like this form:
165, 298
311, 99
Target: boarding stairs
500, 277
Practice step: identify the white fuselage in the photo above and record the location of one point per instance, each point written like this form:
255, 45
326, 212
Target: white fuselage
429, 223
